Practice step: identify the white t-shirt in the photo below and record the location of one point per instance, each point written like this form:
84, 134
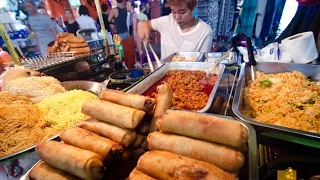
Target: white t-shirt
173, 40
86, 22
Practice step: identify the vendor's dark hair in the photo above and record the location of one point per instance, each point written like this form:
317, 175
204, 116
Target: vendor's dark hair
104, 7
119, 1
83, 10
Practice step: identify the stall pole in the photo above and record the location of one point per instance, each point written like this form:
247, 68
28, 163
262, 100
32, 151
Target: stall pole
103, 29
7, 40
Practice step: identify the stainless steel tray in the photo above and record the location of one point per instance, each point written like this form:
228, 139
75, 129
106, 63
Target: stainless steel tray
245, 76
161, 72
197, 55
212, 57
23, 151
90, 86
249, 171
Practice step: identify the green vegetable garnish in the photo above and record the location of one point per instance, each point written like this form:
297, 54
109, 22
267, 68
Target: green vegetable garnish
310, 101
299, 106
266, 83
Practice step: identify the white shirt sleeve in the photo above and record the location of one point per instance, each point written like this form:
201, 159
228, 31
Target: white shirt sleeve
158, 23
207, 43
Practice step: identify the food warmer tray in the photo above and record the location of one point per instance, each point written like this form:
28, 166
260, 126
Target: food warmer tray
199, 57
23, 152
145, 84
212, 57
90, 86
312, 71
249, 170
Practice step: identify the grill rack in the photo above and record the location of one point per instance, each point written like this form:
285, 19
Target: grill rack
51, 60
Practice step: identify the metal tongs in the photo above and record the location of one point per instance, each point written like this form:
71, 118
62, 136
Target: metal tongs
252, 62
159, 63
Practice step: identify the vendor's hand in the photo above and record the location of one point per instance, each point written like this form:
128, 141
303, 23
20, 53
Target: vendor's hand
144, 31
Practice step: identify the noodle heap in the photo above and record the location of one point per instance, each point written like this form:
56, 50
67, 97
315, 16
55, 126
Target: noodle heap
21, 124
24, 124
64, 109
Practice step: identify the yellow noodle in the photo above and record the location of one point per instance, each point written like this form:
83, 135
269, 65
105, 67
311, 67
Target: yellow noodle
64, 109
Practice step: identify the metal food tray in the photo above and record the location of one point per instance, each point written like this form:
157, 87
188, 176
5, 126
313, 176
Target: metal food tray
249, 170
23, 151
245, 76
212, 57
145, 84
197, 55
90, 86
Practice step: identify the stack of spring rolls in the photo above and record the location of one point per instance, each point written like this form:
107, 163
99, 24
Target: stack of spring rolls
88, 148
68, 42
191, 145
82, 155
118, 116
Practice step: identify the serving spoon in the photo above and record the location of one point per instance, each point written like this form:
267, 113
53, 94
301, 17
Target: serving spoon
217, 62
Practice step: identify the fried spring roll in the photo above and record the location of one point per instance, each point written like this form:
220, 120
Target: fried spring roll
115, 114
85, 139
82, 50
204, 127
78, 45
222, 156
170, 166
43, 171
164, 95
138, 175
124, 137
136, 144
82, 163
74, 39
63, 35
135, 101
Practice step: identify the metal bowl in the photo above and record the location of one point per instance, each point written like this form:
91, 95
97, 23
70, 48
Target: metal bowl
93, 87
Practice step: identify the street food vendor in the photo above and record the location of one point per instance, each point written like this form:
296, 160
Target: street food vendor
180, 31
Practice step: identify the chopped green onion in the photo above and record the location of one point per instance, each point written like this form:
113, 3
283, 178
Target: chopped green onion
299, 106
266, 83
310, 101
